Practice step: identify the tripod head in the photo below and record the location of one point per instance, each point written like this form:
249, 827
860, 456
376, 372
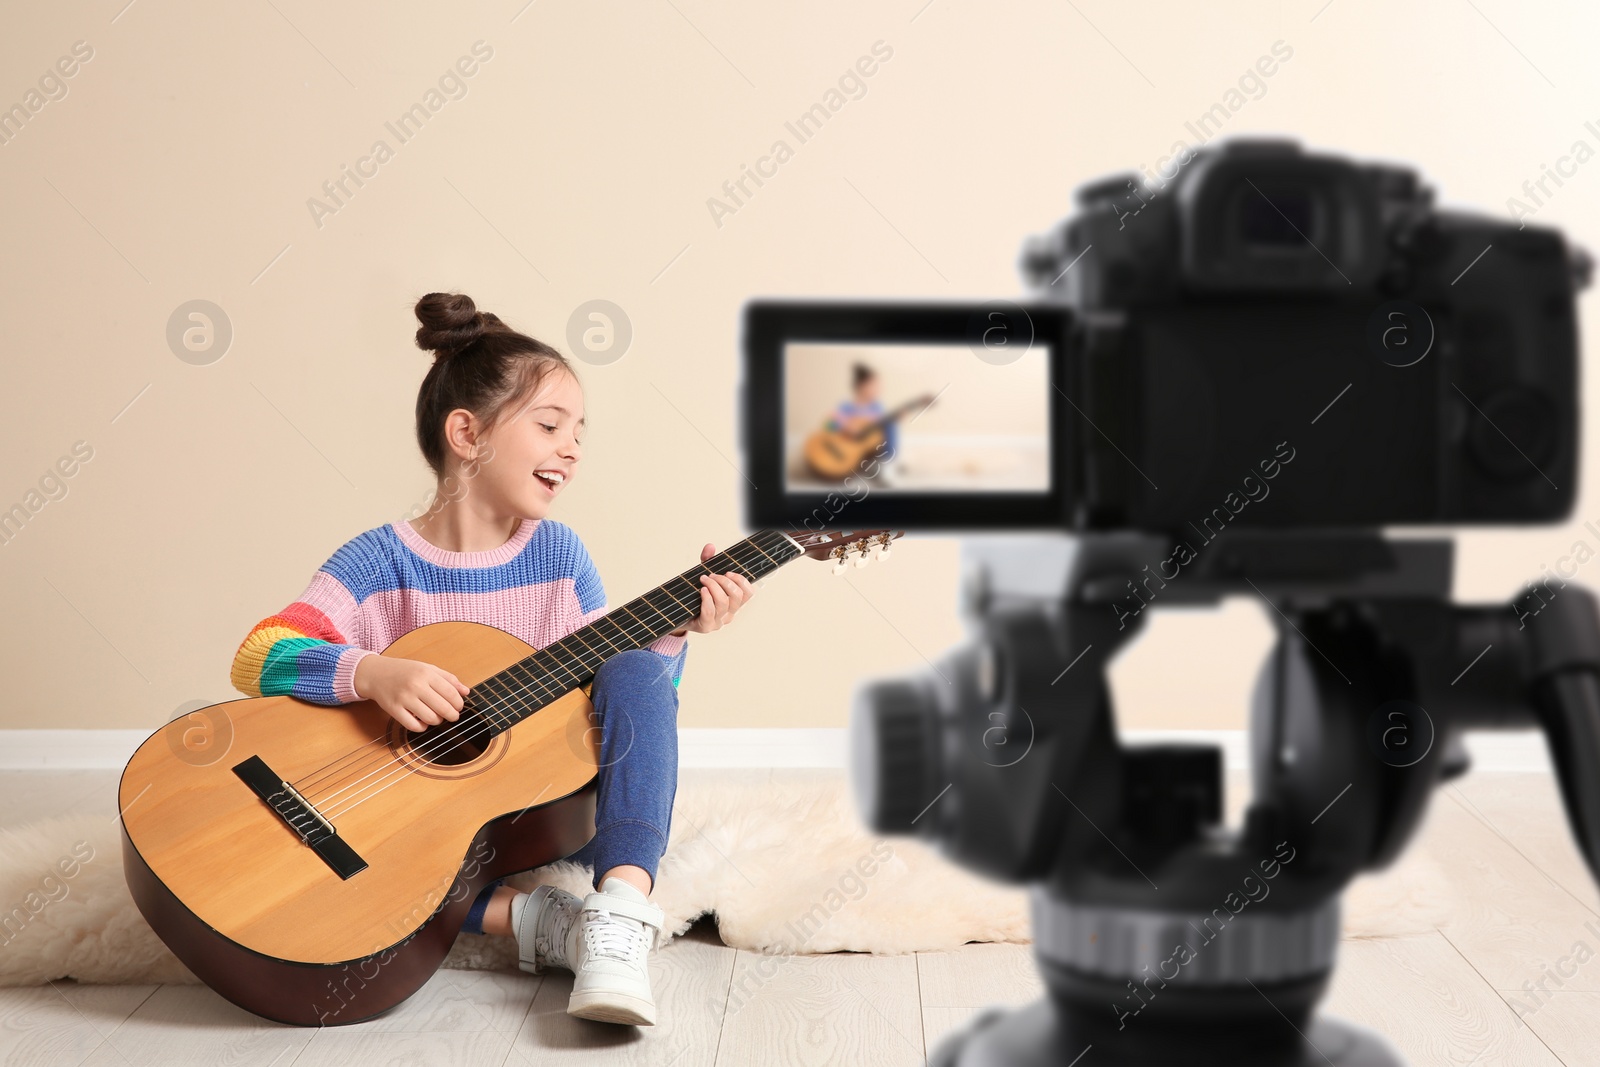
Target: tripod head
1153, 923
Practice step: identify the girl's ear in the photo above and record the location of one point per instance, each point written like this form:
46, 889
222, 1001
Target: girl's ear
462, 434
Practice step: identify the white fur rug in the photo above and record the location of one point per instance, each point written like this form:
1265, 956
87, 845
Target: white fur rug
761, 850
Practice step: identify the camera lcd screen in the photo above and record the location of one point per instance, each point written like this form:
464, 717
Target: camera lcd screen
915, 418
919, 416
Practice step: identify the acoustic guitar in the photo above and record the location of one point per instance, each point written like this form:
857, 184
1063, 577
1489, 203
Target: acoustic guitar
314, 864
834, 454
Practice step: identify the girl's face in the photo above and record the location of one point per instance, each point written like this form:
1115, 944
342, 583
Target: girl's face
537, 447
867, 391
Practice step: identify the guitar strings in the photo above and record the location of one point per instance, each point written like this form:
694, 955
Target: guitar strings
460, 733
544, 690
456, 734
496, 711
319, 776
393, 777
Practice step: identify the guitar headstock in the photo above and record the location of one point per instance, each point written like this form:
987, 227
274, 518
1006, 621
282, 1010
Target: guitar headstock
845, 547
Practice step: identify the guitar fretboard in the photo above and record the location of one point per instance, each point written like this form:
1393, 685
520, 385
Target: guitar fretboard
506, 698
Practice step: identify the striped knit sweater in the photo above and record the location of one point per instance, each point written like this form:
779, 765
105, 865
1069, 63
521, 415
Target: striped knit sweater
539, 586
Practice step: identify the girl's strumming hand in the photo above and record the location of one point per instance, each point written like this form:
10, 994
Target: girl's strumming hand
414, 694
721, 595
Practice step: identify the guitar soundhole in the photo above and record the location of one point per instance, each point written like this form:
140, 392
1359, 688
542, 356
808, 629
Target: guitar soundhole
451, 744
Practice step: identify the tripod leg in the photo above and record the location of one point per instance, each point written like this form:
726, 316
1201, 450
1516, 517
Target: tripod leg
1565, 691
1569, 708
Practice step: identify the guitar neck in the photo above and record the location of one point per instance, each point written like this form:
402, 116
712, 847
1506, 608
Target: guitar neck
513, 694
897, 413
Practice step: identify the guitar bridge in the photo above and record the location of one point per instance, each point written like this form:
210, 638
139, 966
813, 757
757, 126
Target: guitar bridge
301, 816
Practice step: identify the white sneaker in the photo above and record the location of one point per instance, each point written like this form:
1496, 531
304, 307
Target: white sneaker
618, 929
546, 925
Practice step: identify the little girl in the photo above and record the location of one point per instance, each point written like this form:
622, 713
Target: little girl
500, 421
861, 410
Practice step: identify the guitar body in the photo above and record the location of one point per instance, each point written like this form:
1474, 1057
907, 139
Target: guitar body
835, 455
268, 922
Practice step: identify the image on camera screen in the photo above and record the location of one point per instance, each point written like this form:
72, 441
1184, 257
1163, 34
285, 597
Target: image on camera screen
915, 418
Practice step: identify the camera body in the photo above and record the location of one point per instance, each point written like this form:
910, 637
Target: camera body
1419, 366
1276, 351
1270, 338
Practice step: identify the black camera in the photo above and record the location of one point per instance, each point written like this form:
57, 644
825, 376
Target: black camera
1273, 352
1272, 338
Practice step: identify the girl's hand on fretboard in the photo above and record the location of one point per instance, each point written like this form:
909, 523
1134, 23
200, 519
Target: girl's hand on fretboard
721, 595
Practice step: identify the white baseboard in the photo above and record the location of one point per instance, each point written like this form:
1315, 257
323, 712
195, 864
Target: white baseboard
67, 750
1518, 751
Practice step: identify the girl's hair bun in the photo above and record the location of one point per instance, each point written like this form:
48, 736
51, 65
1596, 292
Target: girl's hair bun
451, 322
482, 365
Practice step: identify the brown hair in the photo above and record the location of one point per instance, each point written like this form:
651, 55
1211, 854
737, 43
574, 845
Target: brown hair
480, 364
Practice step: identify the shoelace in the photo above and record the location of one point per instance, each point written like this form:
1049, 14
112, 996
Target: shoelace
552, 948
612, 937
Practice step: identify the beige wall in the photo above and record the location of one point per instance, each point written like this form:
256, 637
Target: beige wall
971, 396
578, 165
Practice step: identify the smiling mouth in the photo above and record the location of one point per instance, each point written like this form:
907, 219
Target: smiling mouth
552, 479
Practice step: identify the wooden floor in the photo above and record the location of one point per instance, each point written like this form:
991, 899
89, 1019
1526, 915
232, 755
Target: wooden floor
1443, 997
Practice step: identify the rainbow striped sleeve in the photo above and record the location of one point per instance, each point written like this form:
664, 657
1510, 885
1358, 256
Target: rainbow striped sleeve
305, 651
592, 603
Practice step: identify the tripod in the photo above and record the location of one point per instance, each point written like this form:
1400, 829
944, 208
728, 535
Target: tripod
1164, 938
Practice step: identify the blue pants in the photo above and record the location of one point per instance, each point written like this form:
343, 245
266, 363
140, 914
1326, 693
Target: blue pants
636, 709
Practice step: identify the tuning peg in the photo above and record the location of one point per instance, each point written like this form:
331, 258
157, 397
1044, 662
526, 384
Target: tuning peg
839, 566
859, 559
879, 551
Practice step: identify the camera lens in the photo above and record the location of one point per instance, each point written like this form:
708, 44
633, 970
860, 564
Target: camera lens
893, 756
